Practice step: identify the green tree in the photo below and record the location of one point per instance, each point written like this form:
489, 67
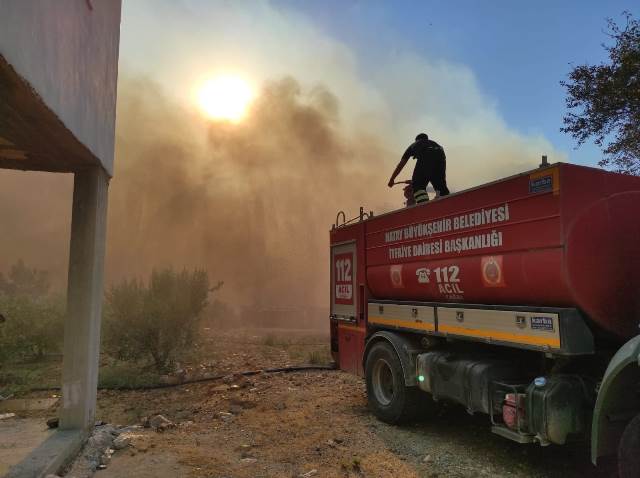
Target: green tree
603, 101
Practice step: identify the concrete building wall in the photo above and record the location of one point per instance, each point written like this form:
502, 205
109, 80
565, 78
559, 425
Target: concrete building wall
67, 50
58, 80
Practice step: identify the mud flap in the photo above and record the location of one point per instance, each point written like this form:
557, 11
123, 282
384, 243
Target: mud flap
407, 349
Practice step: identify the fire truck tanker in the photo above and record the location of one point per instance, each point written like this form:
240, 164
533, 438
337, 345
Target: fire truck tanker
519, 299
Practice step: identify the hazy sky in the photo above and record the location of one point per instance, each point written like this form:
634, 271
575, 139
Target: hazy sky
518, 51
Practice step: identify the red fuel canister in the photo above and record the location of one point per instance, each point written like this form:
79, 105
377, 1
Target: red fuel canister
513, 411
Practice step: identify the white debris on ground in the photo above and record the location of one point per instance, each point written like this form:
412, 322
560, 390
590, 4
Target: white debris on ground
105, 440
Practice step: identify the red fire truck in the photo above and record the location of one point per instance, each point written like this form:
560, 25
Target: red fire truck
519, 299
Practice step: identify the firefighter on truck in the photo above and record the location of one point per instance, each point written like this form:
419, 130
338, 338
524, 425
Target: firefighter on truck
431, 167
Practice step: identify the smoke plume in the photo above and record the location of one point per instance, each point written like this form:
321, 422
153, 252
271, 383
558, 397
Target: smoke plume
252, 202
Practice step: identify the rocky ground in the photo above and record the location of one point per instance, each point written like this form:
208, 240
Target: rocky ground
307, 424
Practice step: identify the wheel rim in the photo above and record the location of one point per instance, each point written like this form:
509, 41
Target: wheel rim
382, 381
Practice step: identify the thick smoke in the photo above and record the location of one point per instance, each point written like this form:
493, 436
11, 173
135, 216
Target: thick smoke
251, 202
35, 221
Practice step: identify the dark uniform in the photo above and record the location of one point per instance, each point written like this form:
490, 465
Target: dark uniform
431, 167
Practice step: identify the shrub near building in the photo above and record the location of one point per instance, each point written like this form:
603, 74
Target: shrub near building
157, 321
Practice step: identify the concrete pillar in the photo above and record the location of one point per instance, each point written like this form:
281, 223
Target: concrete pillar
84, 299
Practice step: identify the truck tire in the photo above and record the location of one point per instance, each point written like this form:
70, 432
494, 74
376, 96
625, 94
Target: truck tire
388, 396
628, 450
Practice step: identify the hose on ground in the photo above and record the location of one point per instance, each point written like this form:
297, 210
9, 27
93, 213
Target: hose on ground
246, 373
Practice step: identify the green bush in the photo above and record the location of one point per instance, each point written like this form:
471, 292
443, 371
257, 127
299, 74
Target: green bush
158, 320
126, 375
33, 327
31, 322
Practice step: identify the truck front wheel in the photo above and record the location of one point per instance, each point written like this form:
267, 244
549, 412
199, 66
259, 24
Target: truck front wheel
389, 398
628, 456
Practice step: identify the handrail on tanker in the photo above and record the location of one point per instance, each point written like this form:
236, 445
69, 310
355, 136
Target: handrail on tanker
361, 217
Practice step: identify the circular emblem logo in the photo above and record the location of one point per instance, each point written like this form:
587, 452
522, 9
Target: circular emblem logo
492, 271
395, 273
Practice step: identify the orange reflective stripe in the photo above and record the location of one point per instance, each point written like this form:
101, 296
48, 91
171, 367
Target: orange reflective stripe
504, 336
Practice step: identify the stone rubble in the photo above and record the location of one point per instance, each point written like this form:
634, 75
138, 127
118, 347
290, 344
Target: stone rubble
104, 441
53, 422
159, 423
121, 442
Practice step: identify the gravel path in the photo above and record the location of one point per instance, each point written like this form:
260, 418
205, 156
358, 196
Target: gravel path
287, 425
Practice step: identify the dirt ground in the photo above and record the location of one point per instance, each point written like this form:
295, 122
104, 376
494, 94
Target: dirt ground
307, 424
18, 436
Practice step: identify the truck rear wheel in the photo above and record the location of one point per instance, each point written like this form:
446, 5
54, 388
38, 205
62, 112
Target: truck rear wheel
389, 398
628, 456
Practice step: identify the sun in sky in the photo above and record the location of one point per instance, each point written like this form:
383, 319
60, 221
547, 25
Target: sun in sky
225, 98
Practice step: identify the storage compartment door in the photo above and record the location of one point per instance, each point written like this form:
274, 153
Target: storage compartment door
343, 282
